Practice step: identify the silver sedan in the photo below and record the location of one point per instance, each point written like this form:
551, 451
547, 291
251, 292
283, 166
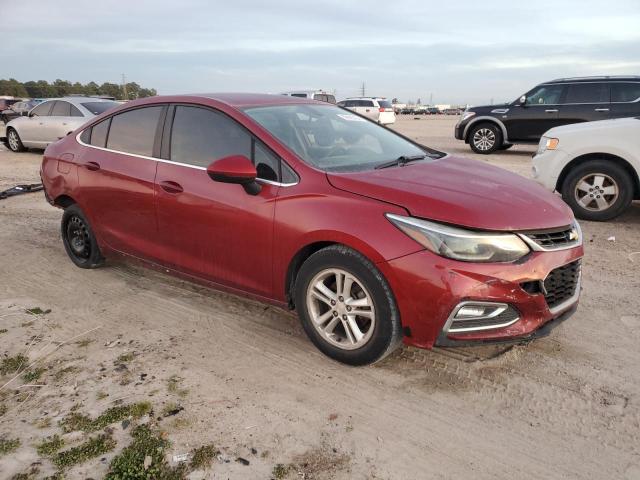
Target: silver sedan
52, 120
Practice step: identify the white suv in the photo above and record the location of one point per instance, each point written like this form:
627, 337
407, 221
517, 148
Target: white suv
319, 95
377, 108
594, 165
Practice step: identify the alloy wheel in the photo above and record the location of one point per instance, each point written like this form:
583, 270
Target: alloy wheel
341, 308
596, 192
484, 139
78, 237
14, 142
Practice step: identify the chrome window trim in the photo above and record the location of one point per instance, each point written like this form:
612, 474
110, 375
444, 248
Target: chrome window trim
447, 326
171, 162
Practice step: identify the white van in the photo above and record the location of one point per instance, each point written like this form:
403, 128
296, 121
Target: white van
377, 108
319, 95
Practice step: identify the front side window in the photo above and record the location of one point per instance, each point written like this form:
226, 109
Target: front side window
545, 95
43, 109
199, 136
625, 92
332, 139
134, 131
587, 93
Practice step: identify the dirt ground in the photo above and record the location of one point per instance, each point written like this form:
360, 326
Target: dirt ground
251, 384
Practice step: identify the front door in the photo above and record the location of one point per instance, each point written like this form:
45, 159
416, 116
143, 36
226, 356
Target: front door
527, 122
208, 229
33, 129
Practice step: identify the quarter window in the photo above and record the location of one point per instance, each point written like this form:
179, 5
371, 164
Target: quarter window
545, 95
43, 109
75, 112
99, 133
625, 92
200, 136
134, 131
587, 93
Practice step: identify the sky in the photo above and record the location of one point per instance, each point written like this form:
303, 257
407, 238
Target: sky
457, 52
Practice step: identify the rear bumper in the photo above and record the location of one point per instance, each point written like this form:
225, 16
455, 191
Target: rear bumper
428, 288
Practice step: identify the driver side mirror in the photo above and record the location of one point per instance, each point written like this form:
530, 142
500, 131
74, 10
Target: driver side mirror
522, 100
235, 169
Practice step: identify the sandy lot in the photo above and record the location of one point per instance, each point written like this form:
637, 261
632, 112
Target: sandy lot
252, 385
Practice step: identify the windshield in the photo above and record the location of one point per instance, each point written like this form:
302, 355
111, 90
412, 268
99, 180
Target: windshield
99, 107
331, 138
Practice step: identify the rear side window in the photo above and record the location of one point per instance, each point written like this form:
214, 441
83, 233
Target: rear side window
200, 136
331, 99
365, 103
61, 109
134, 131
625, 92
587, 93
75, 112
43, 109
99, 133
300, 95
99, 107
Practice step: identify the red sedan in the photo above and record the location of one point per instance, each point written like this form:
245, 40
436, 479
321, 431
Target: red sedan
374, 239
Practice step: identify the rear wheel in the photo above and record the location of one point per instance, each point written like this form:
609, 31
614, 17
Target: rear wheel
78, 238
598, 190
485, 138
346, 306
13, 141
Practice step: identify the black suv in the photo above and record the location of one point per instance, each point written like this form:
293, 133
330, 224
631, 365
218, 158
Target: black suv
559, 102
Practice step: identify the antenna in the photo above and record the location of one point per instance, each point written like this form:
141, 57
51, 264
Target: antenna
124, 87
362, 90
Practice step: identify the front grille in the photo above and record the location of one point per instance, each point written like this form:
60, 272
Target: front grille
509, 316
562, 238
561, 284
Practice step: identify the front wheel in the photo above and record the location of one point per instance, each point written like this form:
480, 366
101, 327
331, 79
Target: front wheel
485, 138
598, 190
14, 142
346, 306
78, 239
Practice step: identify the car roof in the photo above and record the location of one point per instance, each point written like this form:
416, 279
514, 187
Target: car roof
238, 100
77, 100
611, 78
365, 98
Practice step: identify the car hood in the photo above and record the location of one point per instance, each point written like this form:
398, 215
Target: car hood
463, 192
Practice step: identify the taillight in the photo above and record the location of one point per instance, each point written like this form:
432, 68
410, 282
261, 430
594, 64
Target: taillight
381, 109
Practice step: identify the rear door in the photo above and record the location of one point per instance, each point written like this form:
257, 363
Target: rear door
625, 99
208, 229
584, 102
540, 113
117, 173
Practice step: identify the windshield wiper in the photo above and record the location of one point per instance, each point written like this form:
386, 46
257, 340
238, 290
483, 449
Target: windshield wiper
401, 161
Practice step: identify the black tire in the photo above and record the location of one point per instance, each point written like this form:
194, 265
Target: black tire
485, 138
78, 239
614, 175
505, 146
13, 141
386, 335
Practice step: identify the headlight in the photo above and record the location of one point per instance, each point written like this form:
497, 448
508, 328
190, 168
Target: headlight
547, 143
466, 115
461, 244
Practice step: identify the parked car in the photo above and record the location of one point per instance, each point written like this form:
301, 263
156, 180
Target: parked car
16, 110
319, 95
6, 102
595, 166
551, 104
52, 120
371, 237
376, 108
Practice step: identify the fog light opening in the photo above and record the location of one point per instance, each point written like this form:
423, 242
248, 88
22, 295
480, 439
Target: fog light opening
473, 316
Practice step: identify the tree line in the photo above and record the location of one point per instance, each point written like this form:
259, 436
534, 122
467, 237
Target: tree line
61, 88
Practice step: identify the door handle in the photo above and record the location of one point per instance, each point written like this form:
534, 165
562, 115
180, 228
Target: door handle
601, 109
552, 111
171, 187
93, 166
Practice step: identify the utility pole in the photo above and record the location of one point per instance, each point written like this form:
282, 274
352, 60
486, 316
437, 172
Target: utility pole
124, 87
362, 90
431, 99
